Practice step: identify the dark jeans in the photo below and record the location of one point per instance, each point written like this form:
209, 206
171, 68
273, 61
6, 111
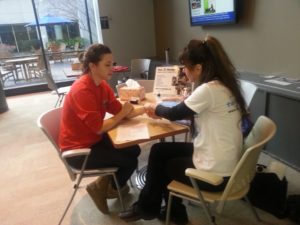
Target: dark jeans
104, 154
168, 161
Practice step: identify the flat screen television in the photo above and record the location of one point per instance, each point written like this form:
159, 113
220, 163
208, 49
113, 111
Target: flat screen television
212, 12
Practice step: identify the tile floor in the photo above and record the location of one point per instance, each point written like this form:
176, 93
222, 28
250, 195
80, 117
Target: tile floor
35, 186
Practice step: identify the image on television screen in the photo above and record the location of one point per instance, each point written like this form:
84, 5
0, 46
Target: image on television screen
205, 12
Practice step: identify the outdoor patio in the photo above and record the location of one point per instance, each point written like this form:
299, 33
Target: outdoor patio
57, 72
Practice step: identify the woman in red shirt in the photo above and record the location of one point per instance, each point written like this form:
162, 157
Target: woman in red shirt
83, 125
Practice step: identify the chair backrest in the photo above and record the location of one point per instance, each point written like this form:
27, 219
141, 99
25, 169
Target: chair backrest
49, 123
4, 70
51, 84
139, 67
248, 90
262, 131
147, 84
152, 68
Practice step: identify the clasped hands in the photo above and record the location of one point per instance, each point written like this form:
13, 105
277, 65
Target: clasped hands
150, 110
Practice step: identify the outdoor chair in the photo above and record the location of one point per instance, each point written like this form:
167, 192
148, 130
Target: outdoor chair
61, 92
239, 182
35, 68
5, 74
57, 51
49, 123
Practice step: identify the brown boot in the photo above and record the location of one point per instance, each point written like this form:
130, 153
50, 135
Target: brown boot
97, 191
113, 193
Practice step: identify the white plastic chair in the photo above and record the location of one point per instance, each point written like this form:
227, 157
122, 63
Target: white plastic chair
248, 90
239, 182
139, 68
49, 123
6, 74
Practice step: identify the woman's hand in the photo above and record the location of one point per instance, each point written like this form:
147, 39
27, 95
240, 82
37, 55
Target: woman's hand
137, 110
150, 110
127, 108
110, 123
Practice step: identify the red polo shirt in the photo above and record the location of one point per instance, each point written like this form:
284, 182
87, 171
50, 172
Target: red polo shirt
83, 112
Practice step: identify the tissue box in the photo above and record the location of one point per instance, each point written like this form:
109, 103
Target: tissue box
126, 93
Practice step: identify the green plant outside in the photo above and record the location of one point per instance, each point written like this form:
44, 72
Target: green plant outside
70, 43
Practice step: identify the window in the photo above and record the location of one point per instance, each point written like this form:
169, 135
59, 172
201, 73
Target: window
66, 30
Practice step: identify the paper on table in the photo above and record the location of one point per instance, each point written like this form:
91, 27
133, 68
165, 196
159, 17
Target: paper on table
132, 132
275, 81
284, 81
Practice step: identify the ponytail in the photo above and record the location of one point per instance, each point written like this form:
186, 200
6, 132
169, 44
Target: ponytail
215, 65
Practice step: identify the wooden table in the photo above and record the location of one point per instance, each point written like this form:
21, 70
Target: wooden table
22, 62
158, 129
72, 73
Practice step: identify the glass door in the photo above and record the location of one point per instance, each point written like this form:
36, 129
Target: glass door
44, 35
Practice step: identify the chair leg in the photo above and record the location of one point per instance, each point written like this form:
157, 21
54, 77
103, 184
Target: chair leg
131, 183
186, 136
69, 204
119, 191
57, 101
76, 186
61, 99
253, 209
212, 218
169, 208
137, 170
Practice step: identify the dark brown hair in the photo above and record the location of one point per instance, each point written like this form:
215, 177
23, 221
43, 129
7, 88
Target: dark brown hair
216, 65
94, 54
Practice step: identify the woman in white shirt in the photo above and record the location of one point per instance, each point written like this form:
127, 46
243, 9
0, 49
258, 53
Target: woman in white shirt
218, 108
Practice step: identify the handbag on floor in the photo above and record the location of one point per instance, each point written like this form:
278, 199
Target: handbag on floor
269, 193
294, 208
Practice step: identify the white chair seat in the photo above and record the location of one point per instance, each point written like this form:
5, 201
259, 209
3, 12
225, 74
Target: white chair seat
64, 90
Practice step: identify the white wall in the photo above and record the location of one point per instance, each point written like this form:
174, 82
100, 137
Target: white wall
131, 33
266, 40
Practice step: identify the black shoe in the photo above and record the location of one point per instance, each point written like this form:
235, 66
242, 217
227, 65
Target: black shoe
134, 214
178, 215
